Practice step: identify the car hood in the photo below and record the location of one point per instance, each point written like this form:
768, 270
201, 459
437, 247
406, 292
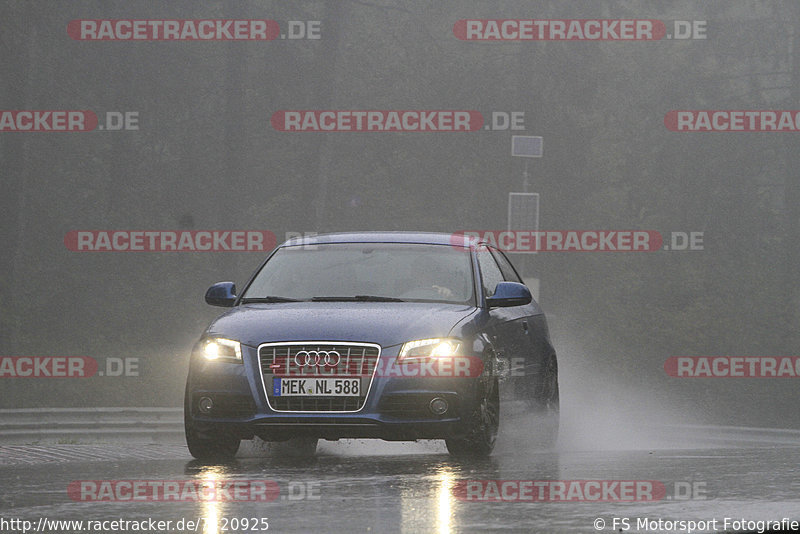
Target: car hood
385, 323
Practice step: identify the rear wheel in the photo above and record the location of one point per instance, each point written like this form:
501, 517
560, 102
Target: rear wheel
485, 423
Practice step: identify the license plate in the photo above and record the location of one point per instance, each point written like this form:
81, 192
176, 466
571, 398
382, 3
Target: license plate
316, 387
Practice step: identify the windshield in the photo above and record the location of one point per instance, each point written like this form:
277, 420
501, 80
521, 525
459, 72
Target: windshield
366, 271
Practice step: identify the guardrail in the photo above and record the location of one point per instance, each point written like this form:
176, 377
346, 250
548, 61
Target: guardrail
69, 425
90, 424
738, 436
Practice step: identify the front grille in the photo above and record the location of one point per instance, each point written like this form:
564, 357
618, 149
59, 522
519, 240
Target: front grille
344, 360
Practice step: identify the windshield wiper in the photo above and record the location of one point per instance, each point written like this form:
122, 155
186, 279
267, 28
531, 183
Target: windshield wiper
357, 298
268, 300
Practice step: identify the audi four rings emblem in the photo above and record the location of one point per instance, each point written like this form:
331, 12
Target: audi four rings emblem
312, 358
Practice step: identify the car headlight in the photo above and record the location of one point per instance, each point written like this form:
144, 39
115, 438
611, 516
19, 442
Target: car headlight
429, 348
222, 349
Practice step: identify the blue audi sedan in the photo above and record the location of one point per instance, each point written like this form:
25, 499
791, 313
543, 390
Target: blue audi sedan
387, 335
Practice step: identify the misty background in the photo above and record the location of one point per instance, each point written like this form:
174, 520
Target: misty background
205, 157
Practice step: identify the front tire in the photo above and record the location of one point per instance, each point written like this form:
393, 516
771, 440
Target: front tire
485, 423
216, 448
546, 406
204, 447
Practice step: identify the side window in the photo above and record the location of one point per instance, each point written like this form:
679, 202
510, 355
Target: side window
490, 272
509, 274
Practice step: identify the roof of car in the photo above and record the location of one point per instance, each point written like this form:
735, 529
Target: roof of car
427, 238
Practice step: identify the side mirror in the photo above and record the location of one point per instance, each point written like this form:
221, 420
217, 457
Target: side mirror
508, 294
221, 294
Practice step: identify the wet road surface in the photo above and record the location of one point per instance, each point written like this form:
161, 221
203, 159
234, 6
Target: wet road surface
373, 486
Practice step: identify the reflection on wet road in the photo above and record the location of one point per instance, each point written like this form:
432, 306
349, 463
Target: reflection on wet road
355, 486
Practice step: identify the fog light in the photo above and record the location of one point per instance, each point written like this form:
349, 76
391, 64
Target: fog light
438, 406
205, 404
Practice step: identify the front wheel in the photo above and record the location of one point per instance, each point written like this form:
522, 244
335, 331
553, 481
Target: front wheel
485, 423
215, 448
205, 447
546, 406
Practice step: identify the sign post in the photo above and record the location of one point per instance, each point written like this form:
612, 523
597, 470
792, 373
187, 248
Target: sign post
523, 208
526, 146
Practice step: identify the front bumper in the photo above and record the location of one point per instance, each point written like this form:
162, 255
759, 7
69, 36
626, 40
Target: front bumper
396, 408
